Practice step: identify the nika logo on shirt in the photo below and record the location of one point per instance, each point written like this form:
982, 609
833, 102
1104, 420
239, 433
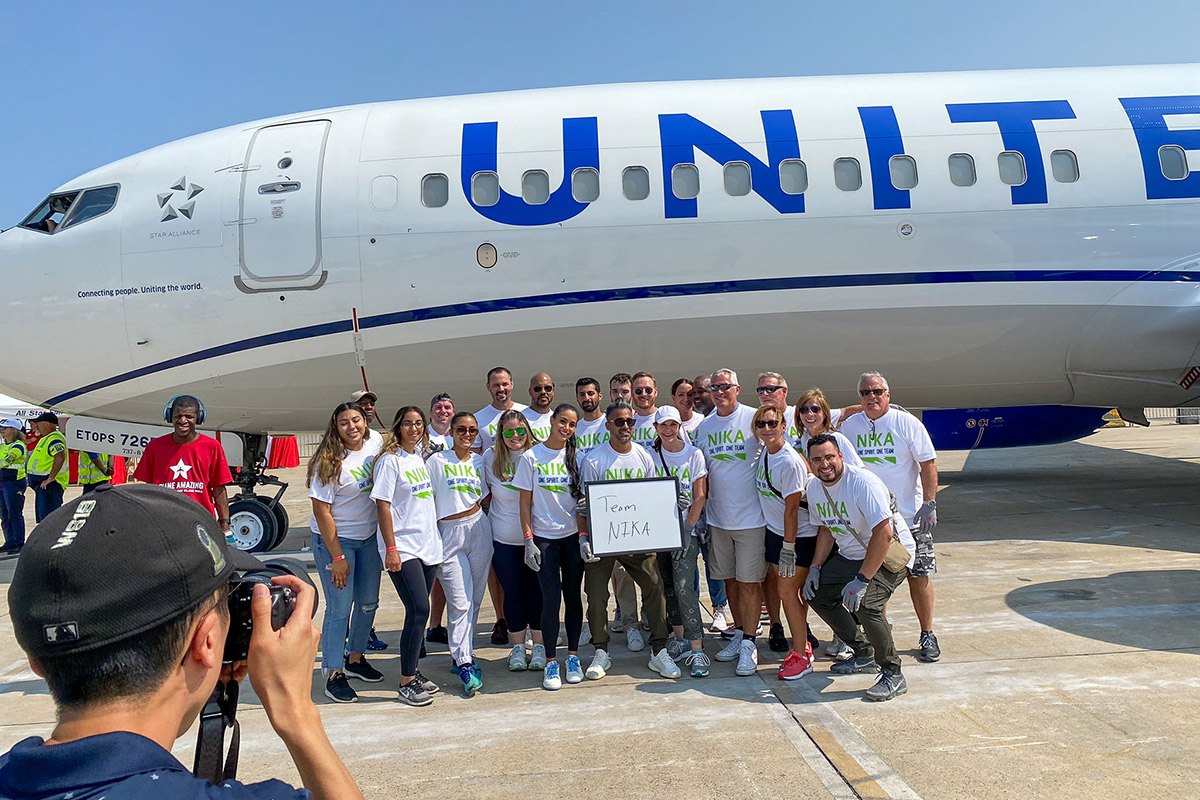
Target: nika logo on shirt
623, 474
727, 445
587, 441
684, 474
875, 449
362, 475
834, 515
462, 478
760, 480
180, 473
419, 480
553, 477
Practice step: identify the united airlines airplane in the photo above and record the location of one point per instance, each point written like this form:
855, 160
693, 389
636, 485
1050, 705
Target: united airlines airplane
984, 239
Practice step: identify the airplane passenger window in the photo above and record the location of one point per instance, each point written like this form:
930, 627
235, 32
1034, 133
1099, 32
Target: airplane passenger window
635, 183
1173, 161
50, 214
904, 171
435, 190
1064, 166
962, 169
1012, 167
92, 204
847, 174
485, 188
737, 178
535, 187
685, 181
793, 176
585, 185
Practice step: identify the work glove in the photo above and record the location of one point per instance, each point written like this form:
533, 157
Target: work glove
702, 531
581, 506
811, 583
926, 519
852, 594
787, 560
533, 556
684, 501
585, 550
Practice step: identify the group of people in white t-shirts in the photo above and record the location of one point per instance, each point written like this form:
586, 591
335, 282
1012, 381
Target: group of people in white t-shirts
788, 511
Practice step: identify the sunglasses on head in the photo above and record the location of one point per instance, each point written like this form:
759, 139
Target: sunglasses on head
767, 423
511, 432
869, 392
808, 409
643, 390
768, 389
464, 429
720, 387
623, 422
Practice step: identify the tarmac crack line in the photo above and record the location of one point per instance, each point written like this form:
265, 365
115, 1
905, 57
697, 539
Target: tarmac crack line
839, 757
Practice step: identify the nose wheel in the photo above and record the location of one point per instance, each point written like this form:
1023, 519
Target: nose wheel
252, 524
257, 522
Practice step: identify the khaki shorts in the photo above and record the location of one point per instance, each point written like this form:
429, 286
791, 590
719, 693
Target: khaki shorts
737, 554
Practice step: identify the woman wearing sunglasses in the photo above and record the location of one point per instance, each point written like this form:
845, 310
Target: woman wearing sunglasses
780, 477
522, 592
407, 515
814, 417
458, 490
548, 479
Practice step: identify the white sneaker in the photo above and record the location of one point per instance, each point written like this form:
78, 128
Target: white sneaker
747, 659
516, 659
537, 660
599, 666
634, 640
731, 651
839, 650
574, 670
720, 622
550, 679
617, 623
664, 665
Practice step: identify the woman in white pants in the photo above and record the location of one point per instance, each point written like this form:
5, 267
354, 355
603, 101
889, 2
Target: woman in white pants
459, 488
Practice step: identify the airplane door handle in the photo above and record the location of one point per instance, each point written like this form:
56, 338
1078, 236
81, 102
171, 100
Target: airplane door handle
279, 188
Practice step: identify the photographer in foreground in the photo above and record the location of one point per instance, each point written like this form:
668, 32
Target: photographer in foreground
121, 601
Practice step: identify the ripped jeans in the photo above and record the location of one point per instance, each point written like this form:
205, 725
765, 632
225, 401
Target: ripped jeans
360, 595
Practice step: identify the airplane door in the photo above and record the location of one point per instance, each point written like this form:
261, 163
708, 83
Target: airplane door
279, 245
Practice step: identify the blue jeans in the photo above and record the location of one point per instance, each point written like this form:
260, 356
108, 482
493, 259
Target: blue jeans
45, 500
12, 512
360, 596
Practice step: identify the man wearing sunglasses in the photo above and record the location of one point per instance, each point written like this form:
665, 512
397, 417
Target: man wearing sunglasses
772, 391
735, 518
894, 445
541, 399
645, 395
499, 384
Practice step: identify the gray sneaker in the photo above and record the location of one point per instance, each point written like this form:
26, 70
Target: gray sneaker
855, 665
427, 686
889, 685
929, 647
412, 694
678, 648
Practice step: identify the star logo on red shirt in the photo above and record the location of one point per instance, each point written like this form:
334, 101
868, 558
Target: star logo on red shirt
180, 471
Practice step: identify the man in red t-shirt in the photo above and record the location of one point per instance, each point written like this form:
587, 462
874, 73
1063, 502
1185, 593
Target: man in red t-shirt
187, 462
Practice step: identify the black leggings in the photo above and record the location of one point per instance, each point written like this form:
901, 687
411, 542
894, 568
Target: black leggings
413, 582
561, 579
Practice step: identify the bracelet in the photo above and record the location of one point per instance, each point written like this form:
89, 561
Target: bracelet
393, 549
340, 558
528, 534
862, 578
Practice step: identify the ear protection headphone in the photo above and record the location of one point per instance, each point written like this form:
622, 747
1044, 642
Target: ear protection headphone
170, 406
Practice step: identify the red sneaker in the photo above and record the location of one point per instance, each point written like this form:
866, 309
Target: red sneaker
796, 666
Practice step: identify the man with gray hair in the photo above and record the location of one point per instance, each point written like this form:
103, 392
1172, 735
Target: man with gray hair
735, 519
895, 446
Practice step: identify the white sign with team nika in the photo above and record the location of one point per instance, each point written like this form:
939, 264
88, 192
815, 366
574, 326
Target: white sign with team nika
634, 516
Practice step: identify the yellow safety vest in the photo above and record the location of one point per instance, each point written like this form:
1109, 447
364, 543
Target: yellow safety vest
12, 456
91, 471
41, 462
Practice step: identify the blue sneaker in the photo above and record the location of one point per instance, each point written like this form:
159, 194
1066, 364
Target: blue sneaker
471, 679
574, 670
550, 679
375, 643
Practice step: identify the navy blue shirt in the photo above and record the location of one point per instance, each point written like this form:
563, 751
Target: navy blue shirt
116, 766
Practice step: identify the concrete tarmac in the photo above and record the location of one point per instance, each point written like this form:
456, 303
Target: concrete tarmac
1068, 611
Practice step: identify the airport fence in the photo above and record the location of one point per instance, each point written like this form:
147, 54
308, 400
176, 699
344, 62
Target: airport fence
1183, 416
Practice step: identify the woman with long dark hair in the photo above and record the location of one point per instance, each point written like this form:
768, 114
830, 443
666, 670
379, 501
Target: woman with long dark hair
548, 479
403, 495
522, 592
344, 548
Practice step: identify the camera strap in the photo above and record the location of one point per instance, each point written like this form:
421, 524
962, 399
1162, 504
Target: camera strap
219, 715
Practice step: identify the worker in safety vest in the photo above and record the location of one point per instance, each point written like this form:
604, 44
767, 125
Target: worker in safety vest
47, 468
94, 470
12, 484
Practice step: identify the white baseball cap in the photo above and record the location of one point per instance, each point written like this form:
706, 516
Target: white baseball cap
666, 413
12, 423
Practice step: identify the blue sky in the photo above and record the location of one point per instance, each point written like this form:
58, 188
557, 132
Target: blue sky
88, 83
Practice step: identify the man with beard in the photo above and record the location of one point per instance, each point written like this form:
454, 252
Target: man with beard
541, 399
591, 429
499, 385
645, 395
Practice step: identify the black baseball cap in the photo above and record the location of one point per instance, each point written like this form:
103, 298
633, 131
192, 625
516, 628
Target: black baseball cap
115, 563
46, 416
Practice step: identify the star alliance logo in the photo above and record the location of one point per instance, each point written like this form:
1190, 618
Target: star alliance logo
190, 191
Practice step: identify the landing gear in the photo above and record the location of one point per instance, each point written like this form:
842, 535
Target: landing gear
257, 522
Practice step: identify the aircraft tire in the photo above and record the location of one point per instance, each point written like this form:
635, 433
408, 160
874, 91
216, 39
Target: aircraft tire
282, 525
253, 525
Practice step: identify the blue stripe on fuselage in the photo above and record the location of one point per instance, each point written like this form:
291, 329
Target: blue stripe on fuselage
637, 293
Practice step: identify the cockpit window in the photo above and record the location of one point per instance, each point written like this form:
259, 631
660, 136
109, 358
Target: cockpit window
71, 208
